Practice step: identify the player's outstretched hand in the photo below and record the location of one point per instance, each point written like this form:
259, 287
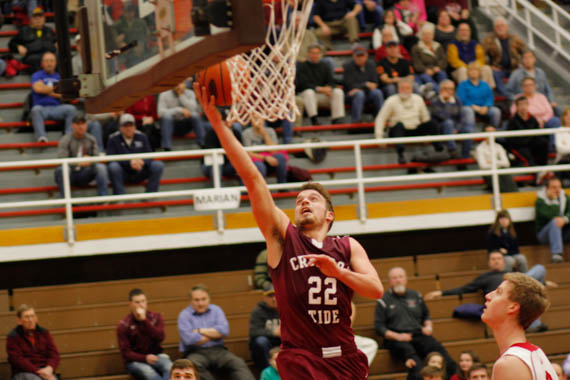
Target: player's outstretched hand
208, 105
325, 264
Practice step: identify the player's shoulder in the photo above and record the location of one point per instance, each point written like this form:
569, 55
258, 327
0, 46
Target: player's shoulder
510, 367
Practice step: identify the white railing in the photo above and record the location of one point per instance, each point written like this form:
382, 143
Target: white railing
68, 201
535, 21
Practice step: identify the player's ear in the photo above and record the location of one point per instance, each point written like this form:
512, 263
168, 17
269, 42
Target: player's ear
513, 308
330, 216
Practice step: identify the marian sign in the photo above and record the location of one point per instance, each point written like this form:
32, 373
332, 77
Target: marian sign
216, 199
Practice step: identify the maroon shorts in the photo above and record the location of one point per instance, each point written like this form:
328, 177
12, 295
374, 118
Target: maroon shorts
299, 364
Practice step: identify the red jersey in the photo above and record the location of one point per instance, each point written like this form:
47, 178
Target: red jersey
314, 309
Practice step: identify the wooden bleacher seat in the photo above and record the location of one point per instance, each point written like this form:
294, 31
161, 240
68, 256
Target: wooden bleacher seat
4, 301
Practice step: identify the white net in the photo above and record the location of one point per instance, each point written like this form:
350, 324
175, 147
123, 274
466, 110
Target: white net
263, 79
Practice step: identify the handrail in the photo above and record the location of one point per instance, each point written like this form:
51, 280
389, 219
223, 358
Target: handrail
68, 201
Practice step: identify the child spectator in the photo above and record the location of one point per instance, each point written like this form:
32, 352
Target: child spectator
271, 373
398, 28
432, 373
466, 359
435, 359
502, 237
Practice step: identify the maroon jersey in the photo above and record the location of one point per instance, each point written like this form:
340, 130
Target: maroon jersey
314, 309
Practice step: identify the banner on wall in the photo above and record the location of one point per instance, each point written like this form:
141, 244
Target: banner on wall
216, 199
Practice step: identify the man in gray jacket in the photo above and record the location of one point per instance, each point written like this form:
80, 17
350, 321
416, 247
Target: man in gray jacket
79, 143
179, 114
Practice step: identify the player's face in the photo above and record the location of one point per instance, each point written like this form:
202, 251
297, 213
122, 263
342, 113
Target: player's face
465, 362
183, 374
479, 374
28, 320
138, 302
496, 261
200, 301
311, 209
498, 305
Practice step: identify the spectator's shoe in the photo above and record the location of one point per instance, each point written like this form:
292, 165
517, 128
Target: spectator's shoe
412, 171
402, 158
540, 328
453, 154
338, 120
428, 170
315, 121
42, 139
556, 259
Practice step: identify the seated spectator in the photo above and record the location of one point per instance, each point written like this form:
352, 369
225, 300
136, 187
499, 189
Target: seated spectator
393, 69
266, 162
271, 373
130, 141
466, 359
140, 335
211, 141
184, 369
406, 115
367, 345
146, 117
477, 97
484, 158
179, 113
502, 237
336, 17
309, 39
563, 144
444, 30
316, 86
489, 281
478, 372
46, 103
436, 360
372, 12
552, 212
529, 69
382, 52
32, 354
261, 278
402, 319
132, 28
559, 372
566, 365
504, 50
79, 143
33, 40
409, 13
202, 327
532, 149
464, 50
447, 110
264, 329
397, 28
428, 58
432, 373
360, 82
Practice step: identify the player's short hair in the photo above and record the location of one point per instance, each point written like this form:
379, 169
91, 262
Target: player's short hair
201, 287
431, 371
476, 367
321, 190
530, 295
184, 364
22, 309
135, 292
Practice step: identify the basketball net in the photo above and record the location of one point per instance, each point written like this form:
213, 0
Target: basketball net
263, 79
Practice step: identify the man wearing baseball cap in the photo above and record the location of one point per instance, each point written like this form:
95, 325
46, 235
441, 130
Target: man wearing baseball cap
128, 140
264, 329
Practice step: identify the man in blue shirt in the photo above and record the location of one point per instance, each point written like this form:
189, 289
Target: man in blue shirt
477, 97
202, 327
46, 103
128, 141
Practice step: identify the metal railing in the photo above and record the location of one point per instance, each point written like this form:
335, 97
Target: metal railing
535, 22
68, 200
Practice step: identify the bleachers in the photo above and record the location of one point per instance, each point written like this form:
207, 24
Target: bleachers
83, 317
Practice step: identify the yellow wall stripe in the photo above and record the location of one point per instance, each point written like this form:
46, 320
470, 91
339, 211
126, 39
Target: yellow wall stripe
25, 236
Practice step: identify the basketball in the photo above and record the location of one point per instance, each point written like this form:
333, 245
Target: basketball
217, 81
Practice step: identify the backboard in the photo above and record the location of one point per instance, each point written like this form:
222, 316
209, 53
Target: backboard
140, 47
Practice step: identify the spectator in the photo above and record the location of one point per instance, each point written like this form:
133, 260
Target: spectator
79, 143
444, 30
179, 114
381, 52
140, 335
131, 28
130, 141
466, 359
3, 66
202, 327
566, 365
477, 97
266, 162
264, 329
484, 157
563, 144
184, 369
558, 369
402, 319
336, 17
271, 373
447, 110
458, 12
529, 69
478, 372
261, 277
46, 103
502, 237
34, 40
432, 373
464, 50
367, 345
392, 69
309, 39
552, 210
397, 28
361, 84
211, 141
145, 114
436, 360
504, 50
372, 12
409, 13
532, 149
429, 58
32, 354
489, 281
406, 115
315, 84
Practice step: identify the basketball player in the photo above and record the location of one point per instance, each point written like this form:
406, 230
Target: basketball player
509, 310
314, 275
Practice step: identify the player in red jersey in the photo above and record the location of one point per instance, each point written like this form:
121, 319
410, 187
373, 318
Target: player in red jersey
314, 275
509, 310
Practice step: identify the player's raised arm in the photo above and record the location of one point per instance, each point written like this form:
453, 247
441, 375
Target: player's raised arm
271, 220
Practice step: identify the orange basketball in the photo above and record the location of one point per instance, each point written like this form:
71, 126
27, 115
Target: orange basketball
217, 81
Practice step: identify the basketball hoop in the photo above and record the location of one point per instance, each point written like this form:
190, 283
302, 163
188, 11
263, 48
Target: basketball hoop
263, 80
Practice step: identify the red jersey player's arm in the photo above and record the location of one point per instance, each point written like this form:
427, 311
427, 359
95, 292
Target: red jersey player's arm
271, 220
510, 367
363, 278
